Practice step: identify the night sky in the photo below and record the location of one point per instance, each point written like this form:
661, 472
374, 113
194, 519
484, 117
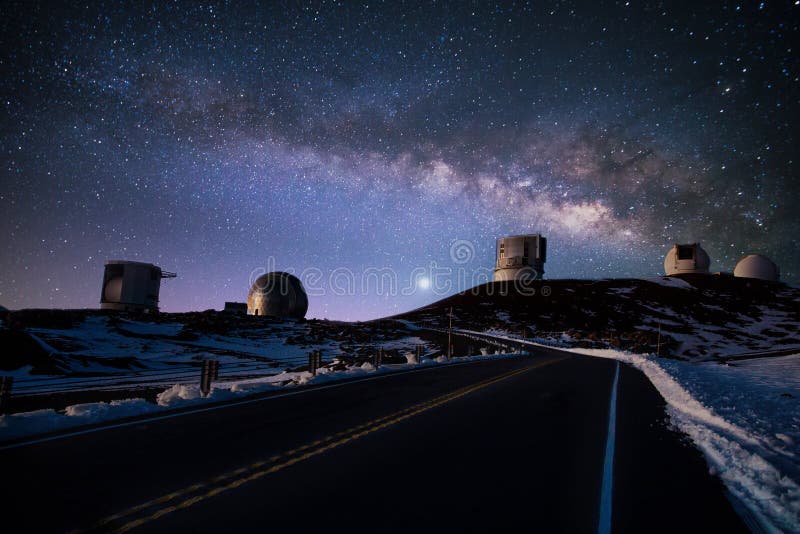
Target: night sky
209, 138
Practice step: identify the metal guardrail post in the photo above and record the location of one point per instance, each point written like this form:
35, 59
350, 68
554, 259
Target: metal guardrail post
205, 378
377, 357
5, 392
312, 362
450, 336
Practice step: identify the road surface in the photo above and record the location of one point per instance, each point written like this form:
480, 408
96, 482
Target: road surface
545, 443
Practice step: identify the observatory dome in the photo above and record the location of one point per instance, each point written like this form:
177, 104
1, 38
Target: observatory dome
686, 259
757, 266
277, 294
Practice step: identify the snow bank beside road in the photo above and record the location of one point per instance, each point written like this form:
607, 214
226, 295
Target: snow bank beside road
44, 421
745, 421
37, 422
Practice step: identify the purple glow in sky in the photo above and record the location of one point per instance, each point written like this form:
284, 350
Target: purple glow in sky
213, 139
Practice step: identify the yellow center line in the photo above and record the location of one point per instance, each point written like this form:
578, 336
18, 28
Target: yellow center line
322, 445
220, 478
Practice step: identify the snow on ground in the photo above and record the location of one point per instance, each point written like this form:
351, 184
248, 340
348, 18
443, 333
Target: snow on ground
27, 424
670, 281
745, 418
151, 329
93, 337
103, 346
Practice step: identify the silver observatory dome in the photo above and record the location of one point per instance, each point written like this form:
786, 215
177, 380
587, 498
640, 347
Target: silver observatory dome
757, 266
277, 294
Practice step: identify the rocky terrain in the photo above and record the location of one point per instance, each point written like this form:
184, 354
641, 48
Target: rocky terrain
699, 318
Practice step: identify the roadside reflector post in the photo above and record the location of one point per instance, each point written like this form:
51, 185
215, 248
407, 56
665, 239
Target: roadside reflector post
319, 358
658, 345
205, 378
312, 362
450, 336
5, 392
214, 370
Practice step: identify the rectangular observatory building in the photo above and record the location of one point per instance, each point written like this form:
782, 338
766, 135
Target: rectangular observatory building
520, 256
131, 286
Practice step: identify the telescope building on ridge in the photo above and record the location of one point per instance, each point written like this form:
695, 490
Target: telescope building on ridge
520, 256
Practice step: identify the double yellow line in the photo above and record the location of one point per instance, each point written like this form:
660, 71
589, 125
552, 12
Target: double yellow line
194, 494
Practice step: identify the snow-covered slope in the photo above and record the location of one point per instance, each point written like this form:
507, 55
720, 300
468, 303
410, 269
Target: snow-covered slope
703, 317
83, 343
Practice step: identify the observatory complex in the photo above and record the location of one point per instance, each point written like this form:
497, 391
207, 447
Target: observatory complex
277, 294
520, 256
692, 259
131, 286
686, 259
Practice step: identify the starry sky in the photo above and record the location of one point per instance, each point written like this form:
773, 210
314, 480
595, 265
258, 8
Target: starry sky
220, 140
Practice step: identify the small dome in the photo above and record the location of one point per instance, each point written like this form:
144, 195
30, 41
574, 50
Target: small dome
685, 259
757, 266
277, 294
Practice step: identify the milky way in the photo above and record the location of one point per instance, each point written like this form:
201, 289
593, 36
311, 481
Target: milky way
219, 140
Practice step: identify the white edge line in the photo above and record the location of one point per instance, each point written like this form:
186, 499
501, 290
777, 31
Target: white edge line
607, 486
229, 405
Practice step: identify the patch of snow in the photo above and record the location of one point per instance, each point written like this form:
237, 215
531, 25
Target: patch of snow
153, 329
739, 419
408, 324
100, 411
780, 371
503, 316
669, 281
622, 290
43, 421
178, 392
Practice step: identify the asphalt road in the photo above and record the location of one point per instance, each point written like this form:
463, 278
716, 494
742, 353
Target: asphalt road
510, 444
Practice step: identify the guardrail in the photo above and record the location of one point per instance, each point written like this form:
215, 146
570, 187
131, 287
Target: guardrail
179, 374
504, 342
186, 374
230, 370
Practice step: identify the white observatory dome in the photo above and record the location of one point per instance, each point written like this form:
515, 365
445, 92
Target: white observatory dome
686, 259
757, 266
